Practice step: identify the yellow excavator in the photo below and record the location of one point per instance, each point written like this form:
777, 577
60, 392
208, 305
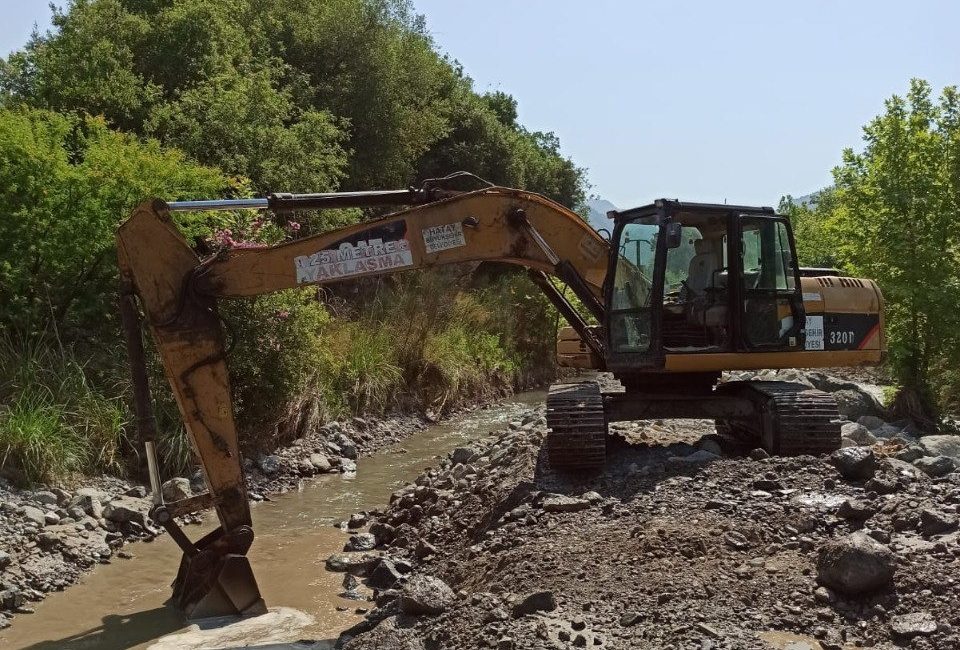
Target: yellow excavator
677, 293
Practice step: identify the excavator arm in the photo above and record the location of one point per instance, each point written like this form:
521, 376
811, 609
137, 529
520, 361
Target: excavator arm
178, 294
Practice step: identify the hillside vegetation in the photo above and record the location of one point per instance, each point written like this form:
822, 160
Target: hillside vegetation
123, 100
128, 99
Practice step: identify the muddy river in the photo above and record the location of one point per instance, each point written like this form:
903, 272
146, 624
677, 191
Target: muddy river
120, 605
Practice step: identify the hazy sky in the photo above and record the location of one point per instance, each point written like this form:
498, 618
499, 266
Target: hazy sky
743, 101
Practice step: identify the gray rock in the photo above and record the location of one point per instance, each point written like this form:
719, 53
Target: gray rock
385, 575
176, 489
348, 448
870, 422
855, 463
463, 455
935, 465
934, 522
51, 518
320, 462
357, 520
126, 509
347, 466
854, 403
906, 626
36, 515
858, 433
361, 542
425, 595
269, 464
847, 442
90, 504
941, 445
561, 503
855, 510
855, 565
539, 601
910, 453
137, 492
358, 564
45, 497
5, 560
388, 636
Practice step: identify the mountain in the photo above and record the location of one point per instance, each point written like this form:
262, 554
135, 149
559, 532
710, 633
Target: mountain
598, 213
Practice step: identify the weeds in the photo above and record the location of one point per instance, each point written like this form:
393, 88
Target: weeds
52, 420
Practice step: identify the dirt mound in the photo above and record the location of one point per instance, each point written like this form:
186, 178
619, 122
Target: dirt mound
672, 546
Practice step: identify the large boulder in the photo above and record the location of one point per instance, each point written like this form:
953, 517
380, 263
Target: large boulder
125, 509
855, 403
425, 595
855, 463
935, 465
858, 433
35, 515
385, 575
320, 462
942, 445
855, 565
176, 489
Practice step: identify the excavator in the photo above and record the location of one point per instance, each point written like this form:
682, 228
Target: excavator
676, 294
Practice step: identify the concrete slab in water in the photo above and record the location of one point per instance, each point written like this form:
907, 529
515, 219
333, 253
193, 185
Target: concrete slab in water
278, 629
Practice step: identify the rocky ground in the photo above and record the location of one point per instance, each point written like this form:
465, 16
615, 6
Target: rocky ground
681, 542
50, 536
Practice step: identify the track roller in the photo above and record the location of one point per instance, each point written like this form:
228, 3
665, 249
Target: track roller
576, 427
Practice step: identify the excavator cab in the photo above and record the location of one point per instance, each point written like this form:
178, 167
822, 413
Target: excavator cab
693, 278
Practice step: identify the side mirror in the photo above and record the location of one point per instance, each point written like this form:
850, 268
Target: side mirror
674, 234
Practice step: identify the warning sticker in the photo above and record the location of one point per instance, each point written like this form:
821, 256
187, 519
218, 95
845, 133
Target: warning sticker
812, 297
814, 333
441, 238
354, 258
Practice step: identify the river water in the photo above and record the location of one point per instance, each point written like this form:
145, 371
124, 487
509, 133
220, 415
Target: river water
120, 605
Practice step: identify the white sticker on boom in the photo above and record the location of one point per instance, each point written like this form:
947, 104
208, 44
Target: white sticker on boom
814, 333
353, 259
441, 238
812, 297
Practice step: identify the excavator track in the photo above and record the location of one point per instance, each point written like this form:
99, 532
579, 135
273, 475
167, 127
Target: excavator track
790, 419
576, 427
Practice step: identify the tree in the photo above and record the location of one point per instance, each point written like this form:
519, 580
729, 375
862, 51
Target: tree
897, 219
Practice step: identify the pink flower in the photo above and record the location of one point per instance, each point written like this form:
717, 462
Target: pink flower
293, 226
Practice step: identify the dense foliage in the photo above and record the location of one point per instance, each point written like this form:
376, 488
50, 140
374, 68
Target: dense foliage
893, 214
128, 99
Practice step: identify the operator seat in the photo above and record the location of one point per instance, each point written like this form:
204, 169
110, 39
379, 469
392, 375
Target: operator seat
705, 308
702, 266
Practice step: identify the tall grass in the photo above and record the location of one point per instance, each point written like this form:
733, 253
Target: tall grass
53, 420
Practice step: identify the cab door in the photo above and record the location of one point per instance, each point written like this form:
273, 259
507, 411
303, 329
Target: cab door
771, 315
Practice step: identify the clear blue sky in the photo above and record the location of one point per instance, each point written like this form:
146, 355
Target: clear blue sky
743, 101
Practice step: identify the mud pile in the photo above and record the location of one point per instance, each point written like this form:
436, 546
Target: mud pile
679, 543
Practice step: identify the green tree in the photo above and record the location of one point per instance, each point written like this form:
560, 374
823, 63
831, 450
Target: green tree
65, 185
897, 219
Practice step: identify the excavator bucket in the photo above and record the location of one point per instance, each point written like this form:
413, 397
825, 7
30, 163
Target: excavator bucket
217, 580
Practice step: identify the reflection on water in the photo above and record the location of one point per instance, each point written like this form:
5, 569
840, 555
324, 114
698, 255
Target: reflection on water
121, 605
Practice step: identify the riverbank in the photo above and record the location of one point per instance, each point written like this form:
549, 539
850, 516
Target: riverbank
679, 543
50, 537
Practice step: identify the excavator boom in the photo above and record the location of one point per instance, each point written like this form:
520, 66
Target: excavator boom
178, 294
